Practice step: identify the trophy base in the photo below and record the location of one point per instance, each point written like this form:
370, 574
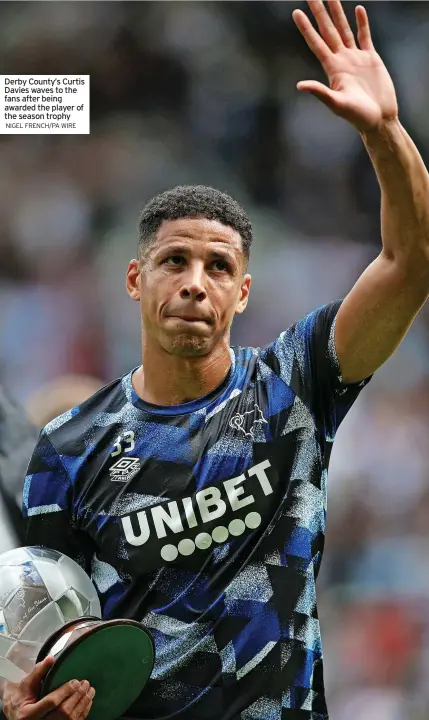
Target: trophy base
115, 656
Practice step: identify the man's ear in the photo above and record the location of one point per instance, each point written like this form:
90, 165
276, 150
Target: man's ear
244, 294
133, 280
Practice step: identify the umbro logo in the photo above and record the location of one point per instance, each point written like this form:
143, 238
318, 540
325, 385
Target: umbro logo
124, 469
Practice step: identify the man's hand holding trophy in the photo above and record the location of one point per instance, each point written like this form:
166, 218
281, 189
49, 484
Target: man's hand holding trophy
58, 658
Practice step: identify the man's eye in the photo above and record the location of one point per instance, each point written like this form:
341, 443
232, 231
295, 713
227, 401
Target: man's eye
220, 265
174, 260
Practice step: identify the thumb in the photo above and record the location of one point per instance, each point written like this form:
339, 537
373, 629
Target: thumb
322, 92
33, 680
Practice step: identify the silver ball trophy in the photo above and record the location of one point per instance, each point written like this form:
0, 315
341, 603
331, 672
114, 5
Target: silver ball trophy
49, 606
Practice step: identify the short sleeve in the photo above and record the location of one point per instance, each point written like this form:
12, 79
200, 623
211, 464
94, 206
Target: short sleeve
305, 357
47, 506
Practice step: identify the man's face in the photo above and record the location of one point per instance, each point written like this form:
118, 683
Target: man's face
190, 284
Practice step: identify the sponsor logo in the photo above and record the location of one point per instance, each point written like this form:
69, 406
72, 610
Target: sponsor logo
239, 421
211, 515
124, 469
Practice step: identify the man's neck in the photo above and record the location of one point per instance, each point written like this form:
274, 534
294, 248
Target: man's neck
166, 379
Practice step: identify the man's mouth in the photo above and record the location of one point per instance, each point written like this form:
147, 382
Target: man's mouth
191, 318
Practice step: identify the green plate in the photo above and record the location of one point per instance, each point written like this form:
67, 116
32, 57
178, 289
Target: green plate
116, 657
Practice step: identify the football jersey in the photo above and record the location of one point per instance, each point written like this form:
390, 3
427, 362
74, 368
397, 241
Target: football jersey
206, 523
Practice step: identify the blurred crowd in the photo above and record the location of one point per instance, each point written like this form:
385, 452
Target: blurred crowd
186, 92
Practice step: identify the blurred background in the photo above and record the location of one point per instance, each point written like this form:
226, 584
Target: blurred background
202, 92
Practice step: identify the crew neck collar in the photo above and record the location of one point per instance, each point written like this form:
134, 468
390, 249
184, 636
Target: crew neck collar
183, 408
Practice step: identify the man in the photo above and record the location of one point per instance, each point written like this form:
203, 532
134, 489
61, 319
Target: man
193, 489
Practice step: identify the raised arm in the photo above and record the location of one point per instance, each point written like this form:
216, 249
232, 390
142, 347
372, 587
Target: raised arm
377, 313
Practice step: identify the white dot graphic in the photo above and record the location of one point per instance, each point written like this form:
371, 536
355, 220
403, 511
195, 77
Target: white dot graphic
186, 547
203, 541
220, 534
236, 527
169, 553
253, 520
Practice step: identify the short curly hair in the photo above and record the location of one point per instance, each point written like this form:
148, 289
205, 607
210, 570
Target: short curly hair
193, 201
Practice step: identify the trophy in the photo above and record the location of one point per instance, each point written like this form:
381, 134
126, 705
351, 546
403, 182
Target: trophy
49, 606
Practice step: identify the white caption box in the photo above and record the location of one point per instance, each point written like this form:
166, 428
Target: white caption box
44, 104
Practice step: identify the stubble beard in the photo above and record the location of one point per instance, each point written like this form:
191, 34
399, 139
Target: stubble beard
185, 345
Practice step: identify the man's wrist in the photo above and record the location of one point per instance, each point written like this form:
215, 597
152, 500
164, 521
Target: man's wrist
386, 137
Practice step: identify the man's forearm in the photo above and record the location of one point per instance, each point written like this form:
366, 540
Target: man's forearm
404, 183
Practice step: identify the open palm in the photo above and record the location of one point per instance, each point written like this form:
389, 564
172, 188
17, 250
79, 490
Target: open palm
360, 87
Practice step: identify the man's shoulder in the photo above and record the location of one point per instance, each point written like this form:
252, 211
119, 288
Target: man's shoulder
289, 356
107, 403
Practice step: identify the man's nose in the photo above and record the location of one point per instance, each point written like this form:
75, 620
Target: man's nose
193, 286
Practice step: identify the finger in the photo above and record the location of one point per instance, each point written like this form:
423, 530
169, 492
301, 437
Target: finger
84, 706
74, 706
326, 27
50, 702
329, 97
34, 679
364, 32
341, 23
78, 712
316, 44
69, 704
87, 710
